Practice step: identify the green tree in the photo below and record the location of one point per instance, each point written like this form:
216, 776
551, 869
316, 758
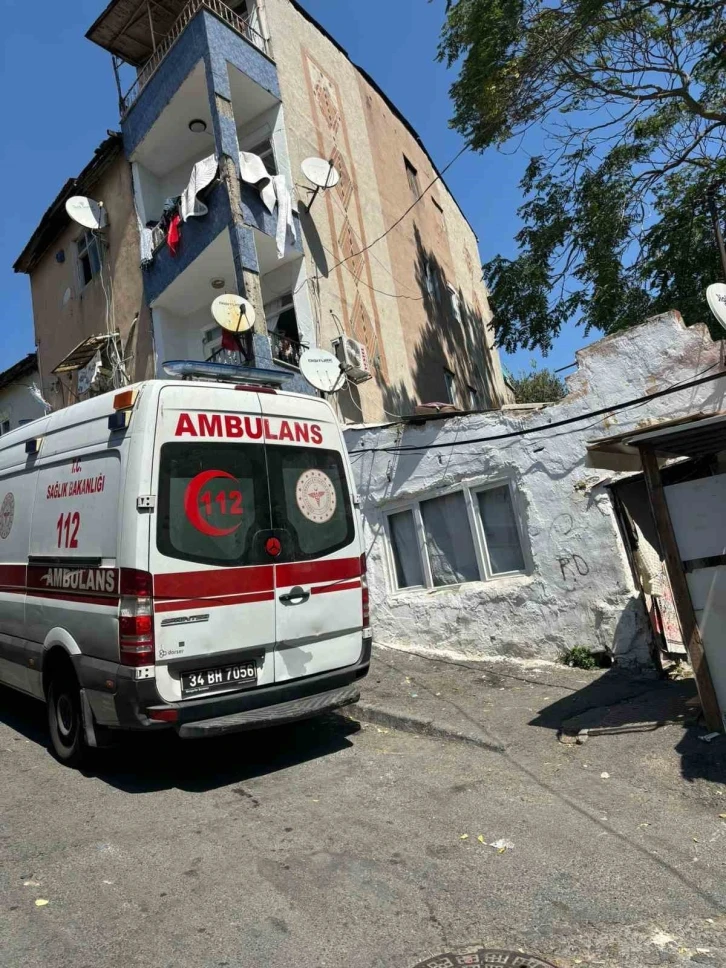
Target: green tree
537, 386
631, 95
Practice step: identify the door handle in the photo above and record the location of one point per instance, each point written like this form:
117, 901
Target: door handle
296, 596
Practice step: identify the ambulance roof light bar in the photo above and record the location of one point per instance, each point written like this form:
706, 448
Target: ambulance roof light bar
224, 372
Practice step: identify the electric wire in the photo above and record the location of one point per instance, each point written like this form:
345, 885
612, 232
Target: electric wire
527, 431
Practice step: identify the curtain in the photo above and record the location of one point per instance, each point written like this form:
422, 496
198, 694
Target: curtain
500, 530
449, 541
406, 555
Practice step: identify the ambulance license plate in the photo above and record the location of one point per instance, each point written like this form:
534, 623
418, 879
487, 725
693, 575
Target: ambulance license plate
219, 680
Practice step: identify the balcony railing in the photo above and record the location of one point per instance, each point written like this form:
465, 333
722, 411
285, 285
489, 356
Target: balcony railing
218, 7
286, 350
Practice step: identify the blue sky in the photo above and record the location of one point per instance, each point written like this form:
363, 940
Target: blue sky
58, 100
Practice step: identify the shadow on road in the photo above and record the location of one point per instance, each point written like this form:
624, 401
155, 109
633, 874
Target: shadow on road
144, 763
616, 704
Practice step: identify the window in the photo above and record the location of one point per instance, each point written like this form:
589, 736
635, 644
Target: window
439, 214
412, 176
283, 331
455, 302
431, 278
450, 381
89, 257
237, 498
219, 502
266, 151
473, 398
467, 535
5, 426
450, 546
305, 537
501, 535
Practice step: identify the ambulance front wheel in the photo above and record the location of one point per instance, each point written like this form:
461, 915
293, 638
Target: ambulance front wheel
65, 721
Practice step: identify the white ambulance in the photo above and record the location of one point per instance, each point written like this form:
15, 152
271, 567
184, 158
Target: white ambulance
181, 554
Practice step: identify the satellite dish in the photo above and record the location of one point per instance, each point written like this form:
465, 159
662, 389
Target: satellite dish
716, 298
87, 212
234, 313
322, 370
322, 173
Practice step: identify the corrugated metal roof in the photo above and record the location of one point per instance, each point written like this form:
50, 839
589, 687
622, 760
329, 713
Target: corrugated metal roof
123, 28
700, 437
82, 354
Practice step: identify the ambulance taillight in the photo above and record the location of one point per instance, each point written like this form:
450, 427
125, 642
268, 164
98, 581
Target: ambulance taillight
366, 595
136, 618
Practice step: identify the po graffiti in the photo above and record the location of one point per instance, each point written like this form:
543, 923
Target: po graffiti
573, 566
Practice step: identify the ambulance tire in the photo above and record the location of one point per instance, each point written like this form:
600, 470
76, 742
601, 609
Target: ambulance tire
65, 720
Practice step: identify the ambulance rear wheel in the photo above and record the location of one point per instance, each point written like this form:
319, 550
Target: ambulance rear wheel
65, 721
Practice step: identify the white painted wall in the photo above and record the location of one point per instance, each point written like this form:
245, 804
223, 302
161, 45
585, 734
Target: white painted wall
180, 337
17, 402
564, 506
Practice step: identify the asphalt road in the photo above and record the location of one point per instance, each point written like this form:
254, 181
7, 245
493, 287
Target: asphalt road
332, 845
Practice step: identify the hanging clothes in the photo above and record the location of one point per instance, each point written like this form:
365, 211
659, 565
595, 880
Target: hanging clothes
285, 221
146, 235
173, 234
203, 174
253, 172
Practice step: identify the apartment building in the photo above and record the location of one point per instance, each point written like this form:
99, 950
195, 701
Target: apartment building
204, 192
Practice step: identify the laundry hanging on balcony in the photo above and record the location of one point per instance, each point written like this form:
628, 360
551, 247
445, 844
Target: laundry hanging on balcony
285, 221
273, 191
253, 171
203, 174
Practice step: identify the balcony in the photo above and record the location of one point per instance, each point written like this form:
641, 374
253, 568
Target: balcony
239, 25
285, 349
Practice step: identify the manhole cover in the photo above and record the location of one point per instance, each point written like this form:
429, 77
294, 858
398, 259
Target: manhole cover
507, 959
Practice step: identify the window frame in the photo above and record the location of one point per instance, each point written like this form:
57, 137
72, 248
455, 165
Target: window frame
452, 391
455, 303
83, 244
412, 177
470, 492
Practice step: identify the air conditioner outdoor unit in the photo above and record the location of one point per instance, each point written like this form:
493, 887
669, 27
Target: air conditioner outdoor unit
354, 357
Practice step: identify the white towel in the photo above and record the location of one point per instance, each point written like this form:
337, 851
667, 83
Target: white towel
203, 174
285, 220
253, 171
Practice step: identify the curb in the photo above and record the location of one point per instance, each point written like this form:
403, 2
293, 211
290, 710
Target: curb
378, 716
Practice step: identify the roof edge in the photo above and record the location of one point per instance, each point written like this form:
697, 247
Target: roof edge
21, 368
389, 103
55, 218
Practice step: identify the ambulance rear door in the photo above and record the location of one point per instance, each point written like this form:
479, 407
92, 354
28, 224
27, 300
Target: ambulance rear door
318, 588
214, 606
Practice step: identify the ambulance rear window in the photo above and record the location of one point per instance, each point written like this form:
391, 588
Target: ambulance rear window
213, 501
310, 501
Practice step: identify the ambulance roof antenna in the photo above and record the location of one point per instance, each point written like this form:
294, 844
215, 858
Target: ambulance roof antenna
322, 370
87, 212
323, 174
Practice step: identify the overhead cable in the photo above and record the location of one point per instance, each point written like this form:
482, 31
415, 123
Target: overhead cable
613, 408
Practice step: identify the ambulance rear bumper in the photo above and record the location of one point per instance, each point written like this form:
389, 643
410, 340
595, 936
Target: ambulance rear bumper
135, 702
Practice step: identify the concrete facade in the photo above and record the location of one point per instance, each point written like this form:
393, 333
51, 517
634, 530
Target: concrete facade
382, 298
65, 311
415, 299
575, 586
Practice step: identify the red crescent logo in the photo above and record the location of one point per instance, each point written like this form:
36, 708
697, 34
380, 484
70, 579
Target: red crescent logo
191, 504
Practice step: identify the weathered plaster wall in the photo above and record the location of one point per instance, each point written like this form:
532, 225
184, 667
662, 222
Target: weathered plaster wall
64, 312
579, 589
17, 403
